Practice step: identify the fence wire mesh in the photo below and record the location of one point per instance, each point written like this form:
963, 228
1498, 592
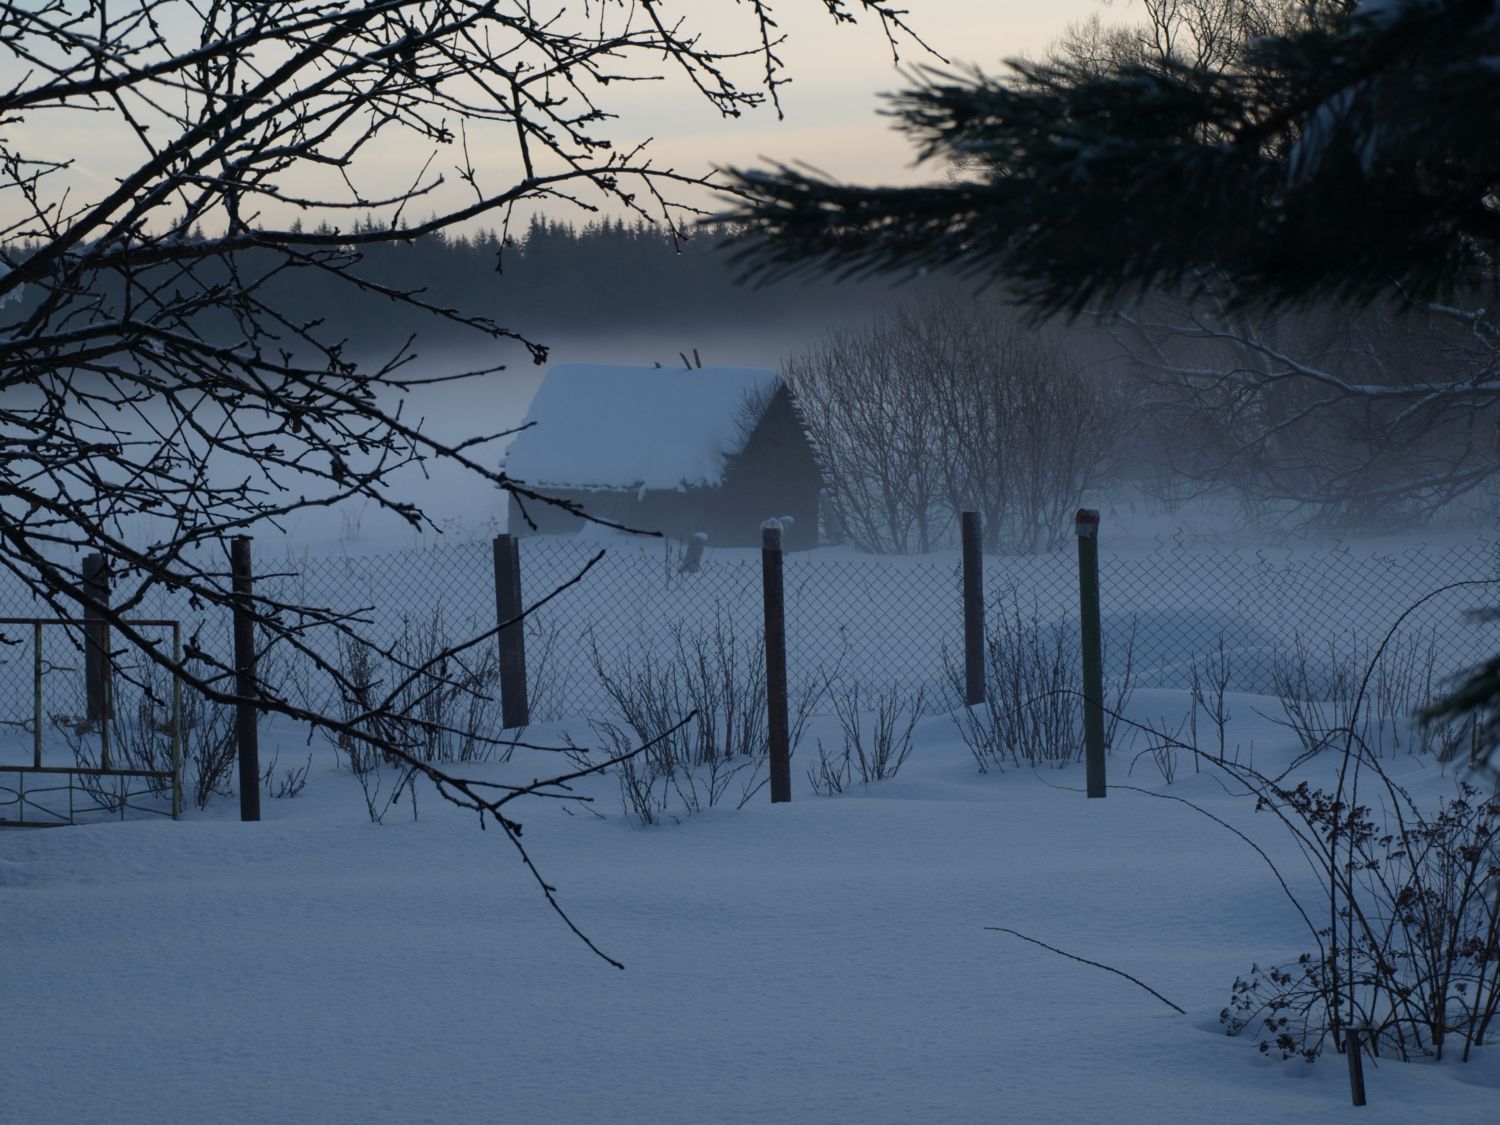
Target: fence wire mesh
898, 622
880, 622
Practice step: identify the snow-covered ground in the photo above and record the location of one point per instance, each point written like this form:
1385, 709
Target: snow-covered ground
822, 961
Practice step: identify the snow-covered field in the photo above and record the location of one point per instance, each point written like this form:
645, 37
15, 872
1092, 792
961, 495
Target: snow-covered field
822, 961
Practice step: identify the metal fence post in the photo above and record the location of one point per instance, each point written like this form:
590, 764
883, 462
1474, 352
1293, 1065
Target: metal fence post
973, 610
36, 705
774, 604
246, 735
96, 639
515, 709
1086, 525
177, 720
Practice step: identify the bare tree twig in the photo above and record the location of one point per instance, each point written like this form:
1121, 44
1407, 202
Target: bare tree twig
1095, 964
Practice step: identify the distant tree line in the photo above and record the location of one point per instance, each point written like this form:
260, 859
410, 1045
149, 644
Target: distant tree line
557, 277
553, 278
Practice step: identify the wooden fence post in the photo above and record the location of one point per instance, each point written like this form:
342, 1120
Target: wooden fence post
247, 738
774, 603
515, 709
96, 664
973, 610
1086, 525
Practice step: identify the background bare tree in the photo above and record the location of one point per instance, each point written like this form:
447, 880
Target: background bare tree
1349, 417
876, 429
953, 404
1371, 417
158, 398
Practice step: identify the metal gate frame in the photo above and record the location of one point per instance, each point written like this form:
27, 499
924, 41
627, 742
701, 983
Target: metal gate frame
103, 770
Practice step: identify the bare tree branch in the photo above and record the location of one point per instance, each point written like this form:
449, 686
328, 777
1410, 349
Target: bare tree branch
160, 393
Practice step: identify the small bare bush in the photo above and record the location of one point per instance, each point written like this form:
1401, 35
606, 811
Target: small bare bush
877, 748
721, 680
427, 693
292, 781
141, 738
1210, 683
1372, 697
1412, 955
438, 700
1032, 713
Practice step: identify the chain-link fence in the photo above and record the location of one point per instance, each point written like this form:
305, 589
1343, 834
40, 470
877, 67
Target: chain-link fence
898, 622
881, 622
1170, 608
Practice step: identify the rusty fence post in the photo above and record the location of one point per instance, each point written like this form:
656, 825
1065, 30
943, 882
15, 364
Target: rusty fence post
1356, 1065
515, 709
96, 639
176, 720
247, 737
1086, 525
973, 558
36, 702
777, 712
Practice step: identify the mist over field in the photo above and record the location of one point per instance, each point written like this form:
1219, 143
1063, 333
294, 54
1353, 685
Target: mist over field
495, 402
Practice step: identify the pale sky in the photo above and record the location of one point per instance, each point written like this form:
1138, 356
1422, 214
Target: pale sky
832, 120
832, 104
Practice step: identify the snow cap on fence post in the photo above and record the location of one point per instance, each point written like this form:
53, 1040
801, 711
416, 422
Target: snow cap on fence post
776, 525
1086, 523
96, 661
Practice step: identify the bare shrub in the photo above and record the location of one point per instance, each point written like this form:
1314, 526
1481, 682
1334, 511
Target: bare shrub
1210, 682
881, 755
1372, 697
1407, 930
1163, 746
952, 405
437, 704
421, 695
140, 738
543, 675
833, 773
292, 781
721, 681
658, 784
1032, 712
1412, 955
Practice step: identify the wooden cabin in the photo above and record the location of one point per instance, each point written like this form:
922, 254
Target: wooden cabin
717, 450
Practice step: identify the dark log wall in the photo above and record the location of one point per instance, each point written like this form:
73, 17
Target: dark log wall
775, 475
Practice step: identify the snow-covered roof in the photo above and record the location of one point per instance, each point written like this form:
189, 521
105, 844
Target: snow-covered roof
616, 427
